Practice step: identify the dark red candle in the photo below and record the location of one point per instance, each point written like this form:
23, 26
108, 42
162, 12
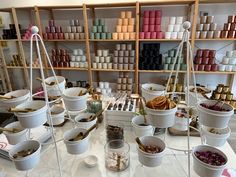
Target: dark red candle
199, 53
214, 67
195, 67
198, 60
205, 60
157, 28
205, 53
212, 54
201, 67
158, 13
158, 20
211, 61
207, 68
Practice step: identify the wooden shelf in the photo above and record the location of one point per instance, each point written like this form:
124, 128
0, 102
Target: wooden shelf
216, 1
111, 40
69, 68
218, 39
15, 67
214, 72
113, 70
64, 40
166, 2
160, 40
158, 71
8, 40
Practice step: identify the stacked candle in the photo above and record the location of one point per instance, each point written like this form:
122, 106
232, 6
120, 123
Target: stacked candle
151, 27
10, 33
104, 88
16, 61
100, 30
207, 28
174, 28
170, 62
102, 60
125, 27
205, 60
26, 33
174, 88
150, 57
124, 57
60, 58
74, 31
228, 62
78, 59
229, 30
52, 31
35, 63
124, 83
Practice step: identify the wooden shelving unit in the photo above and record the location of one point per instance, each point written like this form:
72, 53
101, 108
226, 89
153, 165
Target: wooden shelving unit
192, 9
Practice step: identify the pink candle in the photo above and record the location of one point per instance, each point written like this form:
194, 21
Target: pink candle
159, 35
198, 60
152, 28
55, 36
141, 35
214, 67
50, 36
147, 35
45, 36
195, 67
201, 67
211, 61
146, 14
151, 21
145, 28
145, 21
152, 14
157, 28
153, 35
61, 35
205, 60
158, 13
158, 20
207, 68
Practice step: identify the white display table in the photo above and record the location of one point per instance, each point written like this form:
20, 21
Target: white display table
174, 163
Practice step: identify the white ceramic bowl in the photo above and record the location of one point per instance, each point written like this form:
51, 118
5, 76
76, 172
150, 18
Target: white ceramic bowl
14, 138
73, 102
54, 90
58, 115
85, 125
148, 159
35, 118
141, 130
161, 118
21, 96
30, 161
91, 161
212, 118
75, 147
214, 139
206, 170
151, 94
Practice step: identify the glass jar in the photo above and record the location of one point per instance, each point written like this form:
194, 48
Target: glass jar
117, 155
114, 131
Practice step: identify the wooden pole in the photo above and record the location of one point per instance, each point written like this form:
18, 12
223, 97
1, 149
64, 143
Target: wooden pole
22, 53
86, 30
137, 48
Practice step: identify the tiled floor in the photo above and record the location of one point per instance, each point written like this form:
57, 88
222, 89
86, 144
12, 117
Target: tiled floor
232, 138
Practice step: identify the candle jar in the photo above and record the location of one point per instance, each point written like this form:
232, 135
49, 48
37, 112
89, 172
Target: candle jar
117, 156
229, 96
231, 18
227, 26
203, 19
219, 88
211, 61
212, 53
199, 53
225, 89
205, 53
199, 27
207, 68
198, 60
217, 96
210, 19
206, 27
214, 67
201, 67
223, 96
213, 26
195, 67
224, 34
217, 34
203, 34
210, 34
205, 60
179, 88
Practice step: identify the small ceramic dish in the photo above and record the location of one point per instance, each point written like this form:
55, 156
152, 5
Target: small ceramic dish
91, 161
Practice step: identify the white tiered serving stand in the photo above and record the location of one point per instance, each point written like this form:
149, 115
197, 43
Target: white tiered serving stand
176, 163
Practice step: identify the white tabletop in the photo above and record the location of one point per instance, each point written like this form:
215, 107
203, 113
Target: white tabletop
174, 163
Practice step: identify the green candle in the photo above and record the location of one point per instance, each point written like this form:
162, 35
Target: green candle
95, 29
97, 35
109, 35
99, 29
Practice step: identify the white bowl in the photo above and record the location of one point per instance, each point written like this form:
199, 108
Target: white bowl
85, 125
54, 90
161, 118
58, 115
214, 139
73, 102
21, 96
141, 130
14, 138
75, 147
30, 161
206, 170
91, 161
35, 118
151, 94
212, 118
148, 159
